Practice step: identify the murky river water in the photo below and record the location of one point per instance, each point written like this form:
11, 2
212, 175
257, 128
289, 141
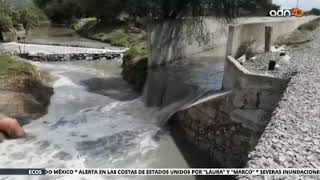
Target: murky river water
95, 120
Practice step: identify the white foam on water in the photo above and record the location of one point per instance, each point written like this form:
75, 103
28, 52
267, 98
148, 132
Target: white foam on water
63, 81
117, 134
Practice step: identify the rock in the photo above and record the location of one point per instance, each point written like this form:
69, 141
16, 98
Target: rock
11, 127
294, 127
304, 129
286, 58
279, 49
300, 159
242, 59
253, 58
2, 137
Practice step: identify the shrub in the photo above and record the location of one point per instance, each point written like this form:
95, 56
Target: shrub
117, 38
5, 22
315, 11
12, 17
310, 26
28, 18
131, 53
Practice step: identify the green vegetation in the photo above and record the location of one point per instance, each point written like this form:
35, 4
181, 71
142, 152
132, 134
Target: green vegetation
115, 38
310, 26
123, 22
19, 75
107, 11
5, 22
133, 52
135, 71
9, 67
13, 17
114, 35
31, 96
315, 11
60, 11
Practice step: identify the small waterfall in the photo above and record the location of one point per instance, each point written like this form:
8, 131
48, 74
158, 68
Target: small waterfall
87, 130
92, 125
174, 87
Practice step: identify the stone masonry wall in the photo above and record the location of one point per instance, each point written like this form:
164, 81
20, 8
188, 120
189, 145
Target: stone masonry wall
211, 128
229, 126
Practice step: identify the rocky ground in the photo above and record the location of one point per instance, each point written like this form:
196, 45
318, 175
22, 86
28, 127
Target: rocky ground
285, 67
292, 138
24, 94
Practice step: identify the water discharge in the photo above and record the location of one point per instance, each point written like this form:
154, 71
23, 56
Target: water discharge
84, 129
95, 120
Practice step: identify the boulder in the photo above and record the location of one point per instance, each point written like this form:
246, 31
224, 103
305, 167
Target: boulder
10, 127
242, 59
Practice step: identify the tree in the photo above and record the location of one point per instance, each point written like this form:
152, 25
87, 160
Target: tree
60, 11
5, 22
27, 17
11, 17
178, 9
108, 10
315, 11
105, 11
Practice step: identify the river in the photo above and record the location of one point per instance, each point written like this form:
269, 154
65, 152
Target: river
95, 120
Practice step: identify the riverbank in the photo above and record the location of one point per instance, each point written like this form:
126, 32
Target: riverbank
24, 93
135, 60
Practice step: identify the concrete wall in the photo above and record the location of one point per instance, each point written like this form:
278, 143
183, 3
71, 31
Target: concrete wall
252, 93
229, 125
162, 90
238, 77
254, 33
9, 36
172, 40
13, 35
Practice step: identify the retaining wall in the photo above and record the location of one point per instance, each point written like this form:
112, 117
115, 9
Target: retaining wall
13, 35
171, 40
9, 36
230, 125
162, 90
253, 34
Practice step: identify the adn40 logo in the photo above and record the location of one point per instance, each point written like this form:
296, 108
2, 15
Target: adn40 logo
295, 12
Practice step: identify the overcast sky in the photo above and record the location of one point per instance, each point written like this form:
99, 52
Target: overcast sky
304, 4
